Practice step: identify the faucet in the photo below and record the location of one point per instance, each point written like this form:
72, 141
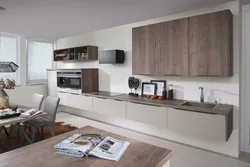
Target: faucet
202, 95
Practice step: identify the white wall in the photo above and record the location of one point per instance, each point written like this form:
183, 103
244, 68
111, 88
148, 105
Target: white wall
22, 95
114, 77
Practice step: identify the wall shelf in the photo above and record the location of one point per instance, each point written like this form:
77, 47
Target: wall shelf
82, 53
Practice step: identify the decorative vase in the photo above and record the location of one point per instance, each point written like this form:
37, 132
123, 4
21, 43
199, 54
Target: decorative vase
4, 98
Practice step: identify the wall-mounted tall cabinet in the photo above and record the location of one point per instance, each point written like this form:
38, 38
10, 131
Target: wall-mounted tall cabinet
195, 46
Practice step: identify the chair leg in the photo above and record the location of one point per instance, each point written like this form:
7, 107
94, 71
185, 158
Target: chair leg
17, 136
33, 134
42, 135
25, 129
1, 128
38, 132
51, 130
5, 130
30, 129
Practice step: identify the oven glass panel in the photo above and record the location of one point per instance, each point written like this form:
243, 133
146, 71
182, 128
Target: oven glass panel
75, 83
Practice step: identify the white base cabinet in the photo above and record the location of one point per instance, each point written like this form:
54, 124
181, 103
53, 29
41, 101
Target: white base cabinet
113, 108
208, 126
147, 114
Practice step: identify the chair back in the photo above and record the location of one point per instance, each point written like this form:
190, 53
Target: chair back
37, 101
50, 106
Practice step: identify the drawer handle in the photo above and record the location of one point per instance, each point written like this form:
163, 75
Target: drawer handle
74, 94
101, 98
61, 92
200, 112
147, 104
117, 100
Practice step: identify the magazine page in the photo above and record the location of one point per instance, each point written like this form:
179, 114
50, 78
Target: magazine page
110, 148
78, 145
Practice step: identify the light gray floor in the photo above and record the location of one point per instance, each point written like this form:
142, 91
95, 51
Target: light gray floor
183, 156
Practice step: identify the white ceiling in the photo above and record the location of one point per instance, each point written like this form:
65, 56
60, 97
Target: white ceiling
53, 19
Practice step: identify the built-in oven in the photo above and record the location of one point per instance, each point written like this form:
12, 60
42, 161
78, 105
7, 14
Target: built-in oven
69, 80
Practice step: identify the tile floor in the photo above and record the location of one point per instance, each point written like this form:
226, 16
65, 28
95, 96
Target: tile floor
183, 156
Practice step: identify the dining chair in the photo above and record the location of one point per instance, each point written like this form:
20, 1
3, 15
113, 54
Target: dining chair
50, 106
36, 103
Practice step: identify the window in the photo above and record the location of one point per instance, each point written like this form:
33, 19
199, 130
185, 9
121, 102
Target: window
40, 58
9, 52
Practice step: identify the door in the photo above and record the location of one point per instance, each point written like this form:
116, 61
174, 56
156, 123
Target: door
245, 80
210, 44
172, 51
144, 49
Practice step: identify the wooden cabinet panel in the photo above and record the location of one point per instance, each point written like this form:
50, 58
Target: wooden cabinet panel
147, 114
210, 44
52, 83
172, 48
144, 50
112, 108
206, 126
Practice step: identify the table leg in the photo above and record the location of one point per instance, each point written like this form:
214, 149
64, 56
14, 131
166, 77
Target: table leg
19, 127
1, 128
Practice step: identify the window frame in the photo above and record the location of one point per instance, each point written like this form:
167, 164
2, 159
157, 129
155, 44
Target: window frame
41, 81
17, 37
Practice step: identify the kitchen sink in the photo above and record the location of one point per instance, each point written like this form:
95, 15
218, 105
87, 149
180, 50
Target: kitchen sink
197, 104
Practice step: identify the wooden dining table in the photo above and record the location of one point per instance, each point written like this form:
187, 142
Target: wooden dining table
42, 154
16, 121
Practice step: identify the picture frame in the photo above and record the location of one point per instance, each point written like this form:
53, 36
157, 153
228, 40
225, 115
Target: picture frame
160, 85
148, 89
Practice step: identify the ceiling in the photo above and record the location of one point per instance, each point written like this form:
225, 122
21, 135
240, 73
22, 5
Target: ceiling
53, 19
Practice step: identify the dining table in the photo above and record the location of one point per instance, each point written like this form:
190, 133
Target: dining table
16, 121
42, 154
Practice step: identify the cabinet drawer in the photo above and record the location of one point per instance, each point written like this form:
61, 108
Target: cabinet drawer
109, 107
147, 114
86, 103
208, 126
63, 97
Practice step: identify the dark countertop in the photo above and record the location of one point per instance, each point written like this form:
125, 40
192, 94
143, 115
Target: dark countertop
220, 109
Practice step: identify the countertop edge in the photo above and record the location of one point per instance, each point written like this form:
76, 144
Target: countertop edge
153, 103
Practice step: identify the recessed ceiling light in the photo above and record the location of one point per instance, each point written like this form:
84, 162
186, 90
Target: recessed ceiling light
2, 8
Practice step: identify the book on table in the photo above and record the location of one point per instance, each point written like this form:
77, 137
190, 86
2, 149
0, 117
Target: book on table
80, 145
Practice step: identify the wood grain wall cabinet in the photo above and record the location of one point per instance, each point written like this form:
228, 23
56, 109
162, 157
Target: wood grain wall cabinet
90, 80
210, 44
144, 50
172, 48
195, 46
77, 54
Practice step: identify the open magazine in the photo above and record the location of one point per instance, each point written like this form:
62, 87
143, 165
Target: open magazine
80, 145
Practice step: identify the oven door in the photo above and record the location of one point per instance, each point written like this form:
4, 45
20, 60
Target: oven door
74, 83
62, 82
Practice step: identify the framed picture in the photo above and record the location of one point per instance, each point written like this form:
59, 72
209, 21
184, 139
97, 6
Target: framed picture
148, 89
161, 84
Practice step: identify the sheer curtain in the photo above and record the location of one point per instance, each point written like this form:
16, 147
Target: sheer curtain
40, 58
9, 52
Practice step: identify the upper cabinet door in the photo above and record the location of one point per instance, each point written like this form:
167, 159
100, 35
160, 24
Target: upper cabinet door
144, 50
172, 51
210, 44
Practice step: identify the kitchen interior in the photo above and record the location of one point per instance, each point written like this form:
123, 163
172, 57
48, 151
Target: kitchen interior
144, 84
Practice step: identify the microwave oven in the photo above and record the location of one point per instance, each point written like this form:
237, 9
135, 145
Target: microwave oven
69, 80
